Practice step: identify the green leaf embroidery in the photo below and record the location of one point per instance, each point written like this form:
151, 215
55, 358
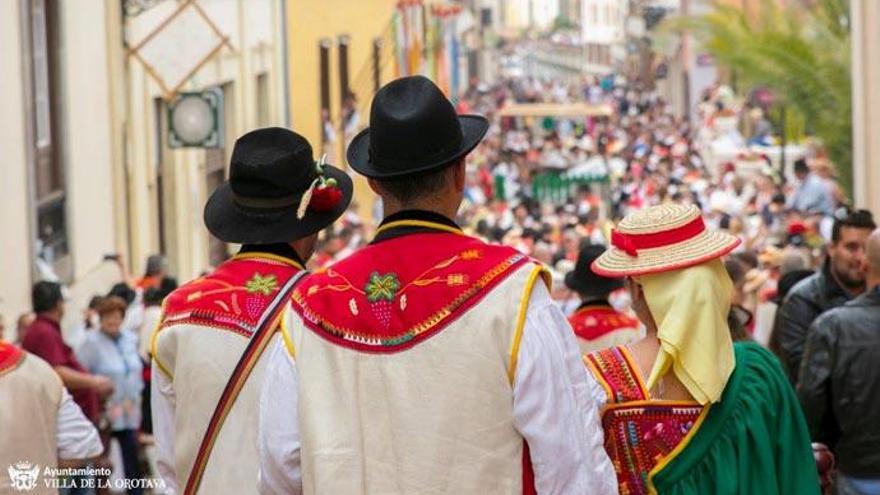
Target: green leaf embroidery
382, 287
259, 283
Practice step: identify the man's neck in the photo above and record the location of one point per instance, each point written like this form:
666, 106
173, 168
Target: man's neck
447, 211
852, 291
51, 316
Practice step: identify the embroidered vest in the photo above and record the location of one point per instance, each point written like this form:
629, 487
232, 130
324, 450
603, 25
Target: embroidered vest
28, 424
405, 354
205, 328
601, 327
639, 432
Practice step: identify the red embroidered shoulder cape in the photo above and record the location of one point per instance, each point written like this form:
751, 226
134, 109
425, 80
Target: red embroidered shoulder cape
234, 296
593, 322
10, 357
394, 294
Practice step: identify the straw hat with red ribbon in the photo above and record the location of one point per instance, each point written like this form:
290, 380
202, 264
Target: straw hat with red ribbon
662, 238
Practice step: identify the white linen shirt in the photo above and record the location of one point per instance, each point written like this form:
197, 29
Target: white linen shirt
555, 408
77, 437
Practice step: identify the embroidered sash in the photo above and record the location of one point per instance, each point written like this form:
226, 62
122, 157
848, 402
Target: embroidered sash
265, 328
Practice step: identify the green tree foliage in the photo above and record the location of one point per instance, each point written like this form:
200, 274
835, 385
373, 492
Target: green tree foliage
801, 52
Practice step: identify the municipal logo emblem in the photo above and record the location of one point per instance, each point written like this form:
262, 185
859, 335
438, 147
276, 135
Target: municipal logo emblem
24, 476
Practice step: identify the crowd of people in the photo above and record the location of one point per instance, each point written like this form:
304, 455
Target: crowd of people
804, 282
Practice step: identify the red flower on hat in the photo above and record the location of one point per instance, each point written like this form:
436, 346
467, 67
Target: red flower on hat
325, 197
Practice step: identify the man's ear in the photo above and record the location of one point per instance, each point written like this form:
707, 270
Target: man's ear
375, 186
460, 174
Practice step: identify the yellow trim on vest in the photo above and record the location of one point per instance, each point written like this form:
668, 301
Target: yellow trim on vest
418, 223
677, 450
270, 256
286, 337
599, 378
521, 320
624, 351
154, 338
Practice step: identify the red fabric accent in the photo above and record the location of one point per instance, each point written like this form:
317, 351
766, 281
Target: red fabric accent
590, 323
223, 300
623, 242
325, 198
43, 339
10, 356
528, 472
631, 243
438, 277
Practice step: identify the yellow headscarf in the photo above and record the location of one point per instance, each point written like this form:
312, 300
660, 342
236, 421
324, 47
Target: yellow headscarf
690, 308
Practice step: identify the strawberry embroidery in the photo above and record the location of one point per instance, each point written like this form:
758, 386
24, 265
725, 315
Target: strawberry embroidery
258, 287
254, 306
381, 290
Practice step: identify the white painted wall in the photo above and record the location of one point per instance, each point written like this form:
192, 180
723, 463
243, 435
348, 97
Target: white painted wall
107, 123
15, 248
85, 129
865, 15
253, 30
602, 21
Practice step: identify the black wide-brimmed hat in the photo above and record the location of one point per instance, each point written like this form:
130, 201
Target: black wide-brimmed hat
271, 173
584, 280
413, 130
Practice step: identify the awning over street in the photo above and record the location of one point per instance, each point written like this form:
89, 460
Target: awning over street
579, 109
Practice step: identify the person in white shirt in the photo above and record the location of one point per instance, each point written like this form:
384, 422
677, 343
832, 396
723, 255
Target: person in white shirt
428, 361
43, 424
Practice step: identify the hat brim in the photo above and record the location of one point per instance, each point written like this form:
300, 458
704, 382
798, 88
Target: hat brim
473, 129
699, 249
592, 284
230, 222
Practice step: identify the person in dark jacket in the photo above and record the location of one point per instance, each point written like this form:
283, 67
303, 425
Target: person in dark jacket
839, 384
840, 279
783, 287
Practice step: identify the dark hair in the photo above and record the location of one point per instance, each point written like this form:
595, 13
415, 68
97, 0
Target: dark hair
154, 295
45, 296
112, 304
800, 166
122, 291
155, 265
748, 258
168, 285
738, 318
406, 189
858, 219
95, 301
736, 270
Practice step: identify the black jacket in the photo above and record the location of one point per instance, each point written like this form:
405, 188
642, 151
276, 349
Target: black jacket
839, 385
808, 299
